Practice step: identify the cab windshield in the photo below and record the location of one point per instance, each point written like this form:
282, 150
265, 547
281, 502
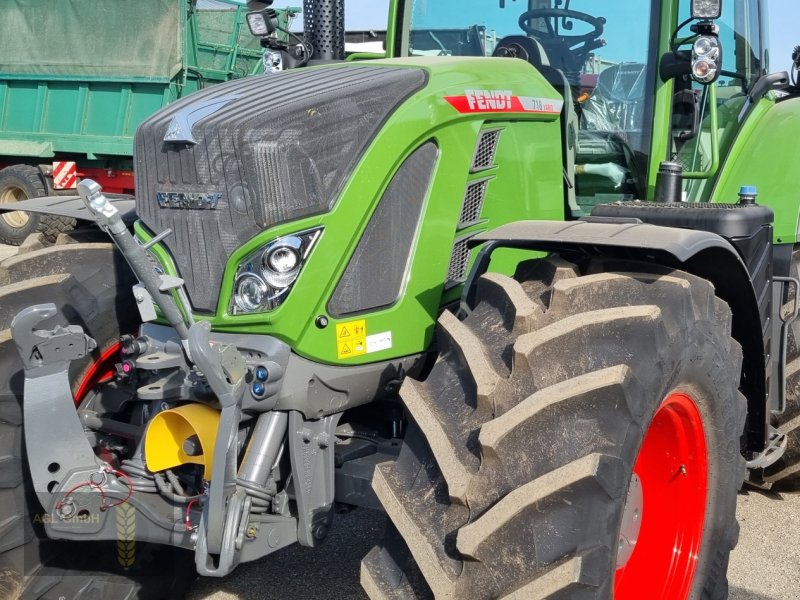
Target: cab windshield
602, 50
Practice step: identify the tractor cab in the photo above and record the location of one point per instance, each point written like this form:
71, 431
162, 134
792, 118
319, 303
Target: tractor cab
591, 52
626, 67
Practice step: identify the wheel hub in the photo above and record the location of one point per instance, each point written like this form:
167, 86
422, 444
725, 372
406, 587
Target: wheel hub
11, 195
659, 551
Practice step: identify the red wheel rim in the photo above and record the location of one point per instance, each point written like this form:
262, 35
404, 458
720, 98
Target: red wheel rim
673, 470
102, 370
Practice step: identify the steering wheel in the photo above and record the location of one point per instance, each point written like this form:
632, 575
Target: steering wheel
580, 45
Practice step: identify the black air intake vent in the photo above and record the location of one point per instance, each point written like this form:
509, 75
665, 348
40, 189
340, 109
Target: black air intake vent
473, 203
485, 150
459, 262
377, 270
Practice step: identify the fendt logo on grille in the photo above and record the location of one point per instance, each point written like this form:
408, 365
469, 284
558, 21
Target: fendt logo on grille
188, 200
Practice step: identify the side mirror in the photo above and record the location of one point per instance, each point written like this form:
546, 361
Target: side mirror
772, 81
675, 64
685, 115
256, 5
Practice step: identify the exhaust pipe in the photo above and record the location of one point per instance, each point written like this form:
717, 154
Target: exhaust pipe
324, 28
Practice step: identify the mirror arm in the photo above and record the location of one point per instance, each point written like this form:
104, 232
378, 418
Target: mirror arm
766, 83
714, 124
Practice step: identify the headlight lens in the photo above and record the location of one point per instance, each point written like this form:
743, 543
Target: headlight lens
257, 23
706, 59
704, 70
707, 46
250, 293
283, 259
264, 278
281, 262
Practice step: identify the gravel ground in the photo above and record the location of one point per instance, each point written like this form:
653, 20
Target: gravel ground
766, 563
296, 573
770, 524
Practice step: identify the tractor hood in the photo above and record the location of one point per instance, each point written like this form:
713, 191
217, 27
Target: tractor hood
224, 164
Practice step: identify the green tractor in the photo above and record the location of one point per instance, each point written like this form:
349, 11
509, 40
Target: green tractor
527, 283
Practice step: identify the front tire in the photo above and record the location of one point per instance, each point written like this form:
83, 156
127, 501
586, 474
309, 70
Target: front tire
90, 285
514, 478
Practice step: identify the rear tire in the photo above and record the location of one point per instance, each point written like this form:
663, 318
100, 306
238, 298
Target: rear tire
90, 285
23, 182
513, 476
784, 475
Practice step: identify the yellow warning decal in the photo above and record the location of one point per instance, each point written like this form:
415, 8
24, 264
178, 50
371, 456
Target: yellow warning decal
351, 339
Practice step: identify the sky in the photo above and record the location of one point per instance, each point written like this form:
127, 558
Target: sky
783, 31
783, 18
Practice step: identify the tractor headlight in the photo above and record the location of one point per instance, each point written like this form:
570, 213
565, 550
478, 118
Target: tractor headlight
262, 22
250, 293
281, 261
706, 9
706, 59
704, 70
707, 46
264, 278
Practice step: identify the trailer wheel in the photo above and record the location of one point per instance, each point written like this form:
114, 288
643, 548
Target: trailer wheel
578, 436
90, 285
784, 475
22, 182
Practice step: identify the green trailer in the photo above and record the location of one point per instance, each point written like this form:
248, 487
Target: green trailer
79, 77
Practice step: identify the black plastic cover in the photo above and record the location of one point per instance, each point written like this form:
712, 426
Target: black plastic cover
270, 149
726, 220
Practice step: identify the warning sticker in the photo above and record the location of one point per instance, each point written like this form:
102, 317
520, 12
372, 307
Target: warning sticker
349, 349
351, 339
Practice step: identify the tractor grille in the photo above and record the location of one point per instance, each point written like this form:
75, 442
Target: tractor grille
271, 149
472, 206
473, 203
459, 262
485, 150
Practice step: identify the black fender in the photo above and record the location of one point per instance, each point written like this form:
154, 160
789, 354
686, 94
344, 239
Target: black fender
698, 252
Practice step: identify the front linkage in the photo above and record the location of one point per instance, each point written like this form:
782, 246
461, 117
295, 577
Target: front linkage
237, 514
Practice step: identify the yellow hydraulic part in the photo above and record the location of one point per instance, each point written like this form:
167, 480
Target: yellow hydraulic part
166, 438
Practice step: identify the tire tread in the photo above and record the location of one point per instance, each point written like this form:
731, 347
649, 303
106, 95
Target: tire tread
547, 314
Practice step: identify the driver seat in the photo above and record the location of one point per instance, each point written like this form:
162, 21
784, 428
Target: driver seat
530, 50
